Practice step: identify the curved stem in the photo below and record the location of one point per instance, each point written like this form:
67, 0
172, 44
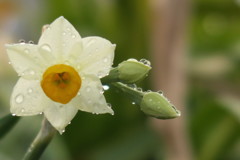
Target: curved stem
42, 140
7, 123
132, 92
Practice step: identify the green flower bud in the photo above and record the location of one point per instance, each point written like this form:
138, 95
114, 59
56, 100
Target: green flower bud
131, 71
156, 105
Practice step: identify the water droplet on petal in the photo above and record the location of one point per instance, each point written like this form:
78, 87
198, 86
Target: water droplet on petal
22, 41
22, 110
64, 33
62, 131
133, 103
109, 105
9, 62
30, 90
69, 122
26, 51
73, 36
13, 114
31, 42
78, 93
19, 98
105, 60
91, 42
106, 87
41, 113
46, 47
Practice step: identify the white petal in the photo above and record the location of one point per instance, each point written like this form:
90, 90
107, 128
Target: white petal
75, 54
59, 115
97, 58
28, 98
90, 97
60, 36
26, 60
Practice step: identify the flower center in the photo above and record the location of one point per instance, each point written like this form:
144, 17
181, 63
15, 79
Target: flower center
61, 83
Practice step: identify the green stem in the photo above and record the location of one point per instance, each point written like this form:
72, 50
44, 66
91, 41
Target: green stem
42, 140
112, 77
7, 123
132, 92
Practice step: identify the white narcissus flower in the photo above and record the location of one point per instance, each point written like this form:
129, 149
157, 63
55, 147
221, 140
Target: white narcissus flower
61, 74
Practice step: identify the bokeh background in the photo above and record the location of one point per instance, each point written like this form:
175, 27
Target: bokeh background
194, 47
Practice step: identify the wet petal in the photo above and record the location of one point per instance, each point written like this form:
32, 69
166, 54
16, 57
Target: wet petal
28, 98
59, 115
90, 97
26, 60
60, 36
97, 58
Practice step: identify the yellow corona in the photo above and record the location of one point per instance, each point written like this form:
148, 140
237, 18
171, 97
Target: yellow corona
61, 83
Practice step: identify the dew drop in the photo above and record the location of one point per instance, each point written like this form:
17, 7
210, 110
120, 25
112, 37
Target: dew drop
73, 36
13, 114
106, 87
68, 29
134, 86
133, 103
19, 98
31, 72
21, 41
62, 131
22, 110
41, 113
26, 51
109, 105
9, 62
31, 42
105, 60
132, 60
100, 74
46, 47
64, 33
91, 42
78, 93
160, 92
67, 62
145, 62
69, 122
30, 90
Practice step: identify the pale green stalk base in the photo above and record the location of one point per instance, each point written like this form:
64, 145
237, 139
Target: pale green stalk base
42, 140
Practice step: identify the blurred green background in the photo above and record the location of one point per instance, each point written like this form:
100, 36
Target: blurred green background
194, 47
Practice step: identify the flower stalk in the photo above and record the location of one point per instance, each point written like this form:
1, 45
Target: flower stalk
41, 141
7, 123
